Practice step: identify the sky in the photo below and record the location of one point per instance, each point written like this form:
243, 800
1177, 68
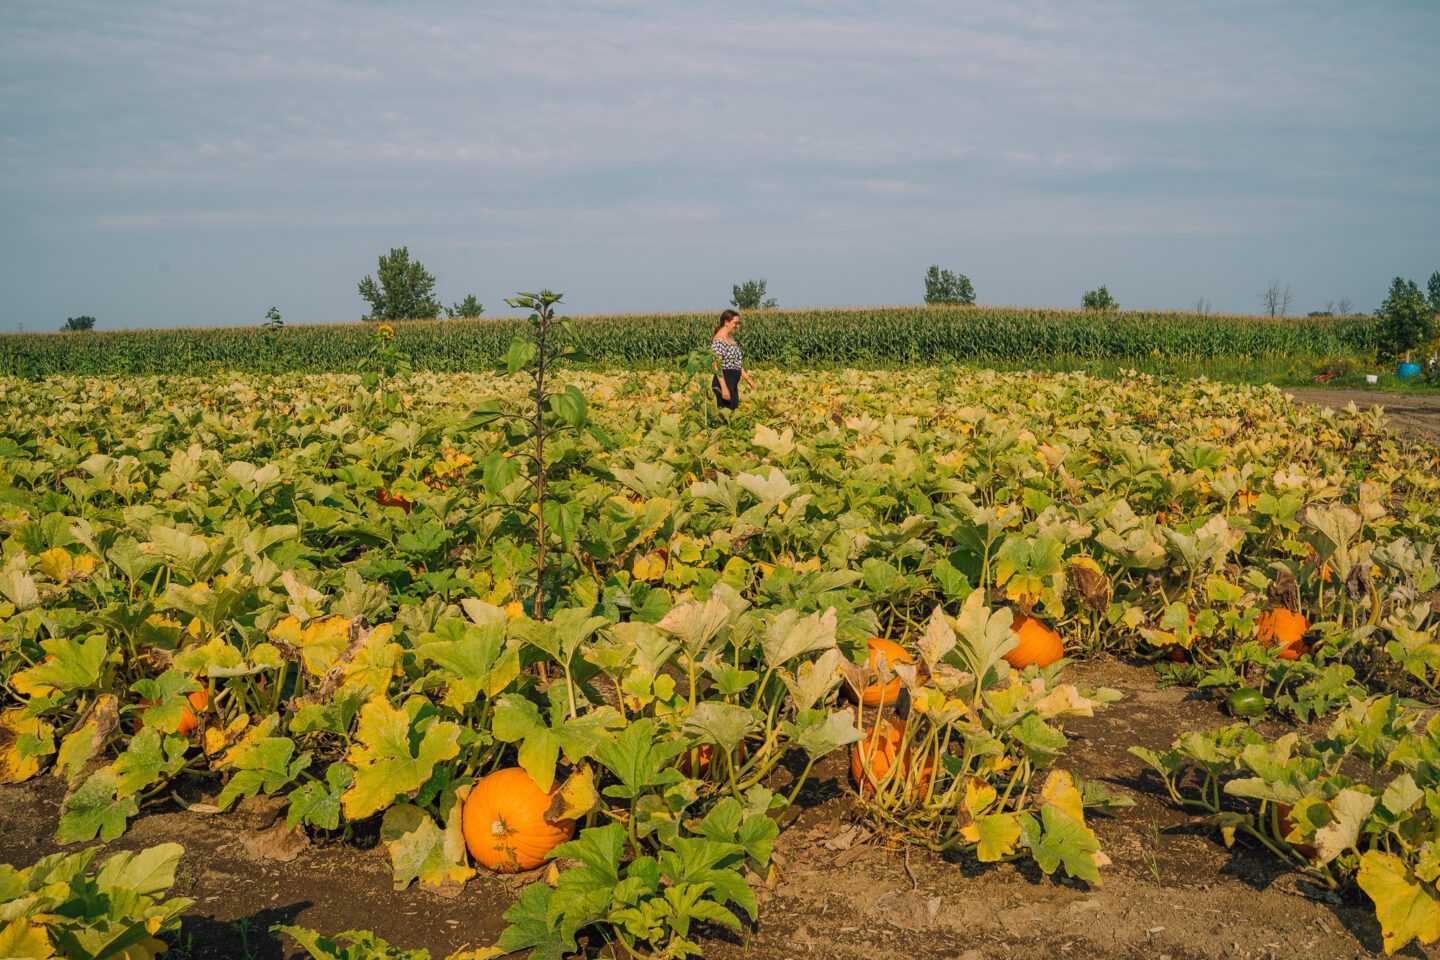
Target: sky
195, 163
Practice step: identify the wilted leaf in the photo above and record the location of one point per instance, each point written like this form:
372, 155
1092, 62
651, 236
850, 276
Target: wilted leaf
1407, 910
391, 759
420, 850
576, 797
23, 741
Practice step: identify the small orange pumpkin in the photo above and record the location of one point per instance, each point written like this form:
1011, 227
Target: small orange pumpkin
889, 653
1176, 653
387, 499
504, 822
199, 701
1039, 644
1285, 627
877, 754
1286, 825
189, 717
697, 759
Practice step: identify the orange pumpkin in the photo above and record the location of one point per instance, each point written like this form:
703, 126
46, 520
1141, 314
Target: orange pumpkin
199, 701
1039, 645
1177, 653
1285, 627
697, 759
1286, 825
877, 754
889, 653
387, 499
504, 822
189, 716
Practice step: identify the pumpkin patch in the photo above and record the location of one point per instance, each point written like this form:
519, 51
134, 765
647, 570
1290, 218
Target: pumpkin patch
644, 716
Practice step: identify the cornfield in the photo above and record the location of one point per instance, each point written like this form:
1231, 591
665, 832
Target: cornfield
825, 338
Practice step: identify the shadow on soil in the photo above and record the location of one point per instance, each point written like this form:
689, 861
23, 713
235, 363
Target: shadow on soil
248, 938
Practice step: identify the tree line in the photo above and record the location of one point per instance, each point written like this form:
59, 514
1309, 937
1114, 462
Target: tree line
403, 289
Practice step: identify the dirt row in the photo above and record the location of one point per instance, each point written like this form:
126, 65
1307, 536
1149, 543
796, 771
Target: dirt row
1418, 415
1172, 890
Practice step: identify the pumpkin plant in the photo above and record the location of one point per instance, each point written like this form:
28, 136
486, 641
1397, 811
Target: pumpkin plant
651, 904
552, 412
64, 905
1297, 798
958, 769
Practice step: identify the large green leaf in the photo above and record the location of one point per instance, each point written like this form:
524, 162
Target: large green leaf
519, 720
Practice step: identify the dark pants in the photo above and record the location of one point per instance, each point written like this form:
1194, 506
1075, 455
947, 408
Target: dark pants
732, 383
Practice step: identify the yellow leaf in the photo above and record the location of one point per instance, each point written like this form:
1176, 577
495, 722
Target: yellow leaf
17, 764
479, 953
55, 562
979, 796
1406, 908
216, 740
576, 797
1060, 792
648, 567
21, 938
1065, 701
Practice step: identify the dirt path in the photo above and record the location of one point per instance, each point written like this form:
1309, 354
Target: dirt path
1168, 893
1415, 413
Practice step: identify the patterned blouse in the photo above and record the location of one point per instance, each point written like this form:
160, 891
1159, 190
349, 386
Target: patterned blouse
728, 353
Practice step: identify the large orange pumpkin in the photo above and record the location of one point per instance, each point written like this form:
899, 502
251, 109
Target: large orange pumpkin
890, 653
1286, 628
878, 753
1038, 644
504, 822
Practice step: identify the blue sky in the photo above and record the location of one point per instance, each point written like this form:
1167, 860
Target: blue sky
188, 163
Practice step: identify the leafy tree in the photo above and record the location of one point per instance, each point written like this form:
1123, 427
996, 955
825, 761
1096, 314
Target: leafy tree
1433, 287
272, 319
750, 295
469, 307
405, 290
1406, 319
942, 286
82, 322
1099, 299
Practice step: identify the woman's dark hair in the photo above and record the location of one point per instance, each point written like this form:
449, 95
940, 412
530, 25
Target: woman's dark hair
725, 318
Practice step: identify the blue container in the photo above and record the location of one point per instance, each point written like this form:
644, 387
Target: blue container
1408, 370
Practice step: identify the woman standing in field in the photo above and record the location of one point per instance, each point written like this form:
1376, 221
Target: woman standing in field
729, 369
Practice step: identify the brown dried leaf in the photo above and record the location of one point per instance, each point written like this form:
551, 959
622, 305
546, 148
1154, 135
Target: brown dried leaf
276, 843
1284, 591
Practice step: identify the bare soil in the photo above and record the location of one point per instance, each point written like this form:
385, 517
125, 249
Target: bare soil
1416, 414
1173, 890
